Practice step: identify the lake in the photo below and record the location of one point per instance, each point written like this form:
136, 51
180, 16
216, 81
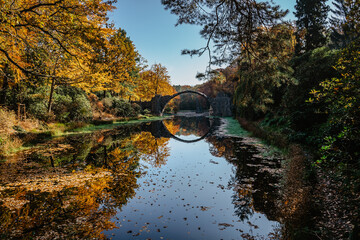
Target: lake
180, 178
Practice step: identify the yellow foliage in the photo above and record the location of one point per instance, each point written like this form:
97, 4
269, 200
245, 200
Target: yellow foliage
154, 81
65, 34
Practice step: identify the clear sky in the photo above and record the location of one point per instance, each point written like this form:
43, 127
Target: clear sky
153, 32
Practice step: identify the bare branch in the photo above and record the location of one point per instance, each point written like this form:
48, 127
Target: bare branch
41, 5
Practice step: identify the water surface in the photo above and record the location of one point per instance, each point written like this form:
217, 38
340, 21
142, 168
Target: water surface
176, 179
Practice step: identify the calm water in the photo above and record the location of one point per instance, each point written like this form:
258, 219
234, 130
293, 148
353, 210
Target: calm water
177, 179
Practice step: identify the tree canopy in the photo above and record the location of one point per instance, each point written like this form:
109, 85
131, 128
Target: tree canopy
71, 27
230, 26
311, 20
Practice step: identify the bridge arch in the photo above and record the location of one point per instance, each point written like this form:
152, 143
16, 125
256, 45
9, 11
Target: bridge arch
166, 99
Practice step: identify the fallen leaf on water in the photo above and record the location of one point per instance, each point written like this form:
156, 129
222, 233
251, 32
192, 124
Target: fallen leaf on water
225, 225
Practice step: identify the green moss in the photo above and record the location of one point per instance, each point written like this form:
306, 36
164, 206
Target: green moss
233, 127
273, 150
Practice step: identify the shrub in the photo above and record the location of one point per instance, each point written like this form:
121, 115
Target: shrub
107, 103
38, 110
120, 108
340, 97
80, 110
71, 104
7, 121
136, 109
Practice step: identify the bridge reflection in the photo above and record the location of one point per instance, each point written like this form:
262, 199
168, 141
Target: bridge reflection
201, 126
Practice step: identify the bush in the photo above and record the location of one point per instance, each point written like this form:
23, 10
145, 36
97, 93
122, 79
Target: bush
107, 103
120, 108
36, 101
340, 97
7, 123
71, 104
311, 68
136, 109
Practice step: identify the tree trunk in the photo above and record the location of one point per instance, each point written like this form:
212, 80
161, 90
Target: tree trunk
51, 94
5, 86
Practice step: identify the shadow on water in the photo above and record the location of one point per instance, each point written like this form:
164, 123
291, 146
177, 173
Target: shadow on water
82, 186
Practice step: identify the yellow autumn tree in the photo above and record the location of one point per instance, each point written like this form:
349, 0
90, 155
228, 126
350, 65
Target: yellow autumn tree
117, 61
154, 81
70, 25
54, 40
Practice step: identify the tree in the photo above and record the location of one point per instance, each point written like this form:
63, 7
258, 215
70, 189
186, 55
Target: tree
232, 25
263, 73
118, 60
68, 25
341, 100
65, 32
343, 29
353, 18
153, 82
311, 20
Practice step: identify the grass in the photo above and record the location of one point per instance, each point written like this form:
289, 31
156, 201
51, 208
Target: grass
273, 150
234, 128
57, 129
9, 145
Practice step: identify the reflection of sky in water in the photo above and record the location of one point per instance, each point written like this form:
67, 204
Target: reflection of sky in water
187, 198
185, 192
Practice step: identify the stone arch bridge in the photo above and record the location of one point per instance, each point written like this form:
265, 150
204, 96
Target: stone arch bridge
219, 106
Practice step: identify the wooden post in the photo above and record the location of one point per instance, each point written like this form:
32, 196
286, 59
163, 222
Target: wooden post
18, 113
21, 112
24, 112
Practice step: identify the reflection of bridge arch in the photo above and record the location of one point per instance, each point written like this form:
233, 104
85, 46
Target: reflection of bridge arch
166, 99
166, 133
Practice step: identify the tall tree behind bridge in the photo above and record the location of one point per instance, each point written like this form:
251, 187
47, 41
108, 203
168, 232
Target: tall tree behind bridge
154, 81
311, 20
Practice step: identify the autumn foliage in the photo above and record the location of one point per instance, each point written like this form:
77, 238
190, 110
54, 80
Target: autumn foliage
48, 48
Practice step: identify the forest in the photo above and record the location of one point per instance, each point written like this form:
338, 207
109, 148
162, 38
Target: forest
64, 65
63, 62
291, 82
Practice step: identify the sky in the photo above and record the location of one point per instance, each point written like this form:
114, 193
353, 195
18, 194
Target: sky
153, 32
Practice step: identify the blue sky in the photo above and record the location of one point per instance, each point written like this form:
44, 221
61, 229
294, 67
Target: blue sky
153, 32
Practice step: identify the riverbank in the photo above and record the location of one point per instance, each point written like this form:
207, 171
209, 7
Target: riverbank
15, 135
317, 203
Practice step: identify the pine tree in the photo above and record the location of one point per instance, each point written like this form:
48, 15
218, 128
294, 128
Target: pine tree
311, 20
341, 32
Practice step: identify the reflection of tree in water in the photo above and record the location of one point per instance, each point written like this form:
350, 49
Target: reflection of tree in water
78, 210
92, 177
152, 150
254, 181
185, 126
